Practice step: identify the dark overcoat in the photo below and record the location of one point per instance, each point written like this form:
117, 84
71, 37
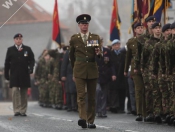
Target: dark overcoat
18, 65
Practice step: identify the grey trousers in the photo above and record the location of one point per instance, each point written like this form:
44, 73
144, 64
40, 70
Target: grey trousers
19, 99
101, 98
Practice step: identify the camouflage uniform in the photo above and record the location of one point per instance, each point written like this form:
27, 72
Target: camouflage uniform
170, 70
56, 97
42, 72
137, 61
158, 58
152, 91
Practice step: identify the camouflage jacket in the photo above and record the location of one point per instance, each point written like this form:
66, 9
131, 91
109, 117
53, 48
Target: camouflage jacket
43, 70
158, 57
170, 56
140, 44
146, 54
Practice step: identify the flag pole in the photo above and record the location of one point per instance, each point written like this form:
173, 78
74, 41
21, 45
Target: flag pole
165, 7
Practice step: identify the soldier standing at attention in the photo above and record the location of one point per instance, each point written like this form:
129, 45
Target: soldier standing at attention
84, 47
140, 44
19, 64
152, 92
170, 69
137, 77
158, 59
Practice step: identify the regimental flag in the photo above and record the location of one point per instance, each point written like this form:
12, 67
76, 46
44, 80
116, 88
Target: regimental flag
145, 10
56, 35
159, 7
136, 12
115, 23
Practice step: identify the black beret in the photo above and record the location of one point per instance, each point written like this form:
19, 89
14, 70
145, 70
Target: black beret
150, 18
156, 24
83, 18
137, 24
172, 25
165, 27
18, 35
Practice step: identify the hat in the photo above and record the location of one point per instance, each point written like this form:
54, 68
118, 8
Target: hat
156, 24
172, 25
83, 18
150, 18
137, 24
165, 27
18, 35
115, 41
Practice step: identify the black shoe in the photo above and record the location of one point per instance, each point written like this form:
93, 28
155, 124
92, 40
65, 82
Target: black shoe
167, 119
174, 123
23, 114
17, 114
150, 118
69, 109
139, 118
158, 119
59, 107
99, 114
172, 120
104, 115
82, 123
91, 126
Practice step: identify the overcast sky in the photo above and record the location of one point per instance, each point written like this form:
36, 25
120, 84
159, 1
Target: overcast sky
48, 5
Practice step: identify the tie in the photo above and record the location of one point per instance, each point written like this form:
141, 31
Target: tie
85, 39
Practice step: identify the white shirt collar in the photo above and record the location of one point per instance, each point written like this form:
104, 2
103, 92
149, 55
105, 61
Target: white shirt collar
18, 46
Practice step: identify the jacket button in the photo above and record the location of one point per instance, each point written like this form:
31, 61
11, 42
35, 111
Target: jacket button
87, 61
86, 51
86, 56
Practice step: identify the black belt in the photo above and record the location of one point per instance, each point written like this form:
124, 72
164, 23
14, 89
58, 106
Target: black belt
85, 59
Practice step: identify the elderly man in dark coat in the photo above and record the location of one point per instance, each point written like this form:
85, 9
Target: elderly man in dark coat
19, 64
119, 81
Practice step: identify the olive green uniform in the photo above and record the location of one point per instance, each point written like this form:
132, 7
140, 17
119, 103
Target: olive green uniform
137, 77
82, 57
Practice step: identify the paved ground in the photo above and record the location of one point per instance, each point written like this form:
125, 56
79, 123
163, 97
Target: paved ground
50, 120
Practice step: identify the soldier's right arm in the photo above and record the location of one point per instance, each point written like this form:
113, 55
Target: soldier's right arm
137, 56
128, 56
72, 51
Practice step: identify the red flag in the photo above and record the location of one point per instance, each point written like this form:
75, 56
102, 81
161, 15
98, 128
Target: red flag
56, 35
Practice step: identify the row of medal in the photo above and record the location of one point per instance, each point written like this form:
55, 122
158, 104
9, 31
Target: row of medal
92, 43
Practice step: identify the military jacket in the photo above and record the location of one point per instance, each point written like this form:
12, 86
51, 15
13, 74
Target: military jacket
82, 56
147, 51
130, 54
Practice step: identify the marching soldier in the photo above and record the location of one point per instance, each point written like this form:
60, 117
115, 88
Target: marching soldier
153, 100
137, 77
84, 47
158, 61
170, 66
140, 44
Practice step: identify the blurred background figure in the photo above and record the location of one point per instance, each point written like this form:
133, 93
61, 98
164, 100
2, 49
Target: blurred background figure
67, 77
104, 68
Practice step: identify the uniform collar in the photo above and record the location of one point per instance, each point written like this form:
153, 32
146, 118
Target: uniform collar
82, 35
20, 46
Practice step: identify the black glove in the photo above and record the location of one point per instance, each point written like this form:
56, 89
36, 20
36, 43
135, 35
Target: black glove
30, 71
